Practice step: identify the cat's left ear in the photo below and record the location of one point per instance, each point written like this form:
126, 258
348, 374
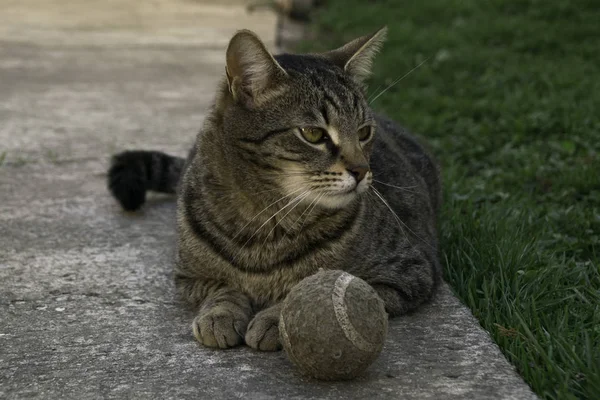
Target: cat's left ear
356, 57
252, 72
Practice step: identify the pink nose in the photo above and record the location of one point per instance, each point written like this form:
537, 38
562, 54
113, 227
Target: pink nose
358, 171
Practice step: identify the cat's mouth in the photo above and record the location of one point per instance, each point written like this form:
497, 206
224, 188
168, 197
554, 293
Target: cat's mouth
338, 198
348, 191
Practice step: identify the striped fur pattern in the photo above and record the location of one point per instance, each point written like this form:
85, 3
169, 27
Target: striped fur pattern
260, 207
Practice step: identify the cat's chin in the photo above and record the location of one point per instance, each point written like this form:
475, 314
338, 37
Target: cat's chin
336, 201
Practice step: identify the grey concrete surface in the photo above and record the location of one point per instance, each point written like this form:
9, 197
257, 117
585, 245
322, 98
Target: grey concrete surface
87, 305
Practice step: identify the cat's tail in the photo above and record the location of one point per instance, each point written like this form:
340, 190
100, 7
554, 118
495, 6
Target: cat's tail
134, 172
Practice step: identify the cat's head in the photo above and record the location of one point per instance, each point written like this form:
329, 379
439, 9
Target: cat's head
300, 123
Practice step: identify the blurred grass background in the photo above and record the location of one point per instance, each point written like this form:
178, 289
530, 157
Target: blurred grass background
509, 101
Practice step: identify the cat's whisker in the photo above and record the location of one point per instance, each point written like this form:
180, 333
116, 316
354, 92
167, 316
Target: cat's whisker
307, 193
398, 218
400, 223
368, 193
267, 191
405, 188
307, 208
280, 188
274, 215
398, 80
373, 93
265, 209
311, 210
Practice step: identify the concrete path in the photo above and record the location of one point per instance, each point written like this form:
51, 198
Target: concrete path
87, 305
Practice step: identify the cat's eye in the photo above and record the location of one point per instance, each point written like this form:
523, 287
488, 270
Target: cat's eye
364, 133
314, 135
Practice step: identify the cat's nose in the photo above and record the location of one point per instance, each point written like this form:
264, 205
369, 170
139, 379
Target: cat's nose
358, 171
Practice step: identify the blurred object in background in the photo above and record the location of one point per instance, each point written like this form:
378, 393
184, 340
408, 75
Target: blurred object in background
297, 10
292, 18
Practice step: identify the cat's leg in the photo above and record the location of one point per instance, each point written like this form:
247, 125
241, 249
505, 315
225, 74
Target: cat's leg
223, 318
263, 331
406, 284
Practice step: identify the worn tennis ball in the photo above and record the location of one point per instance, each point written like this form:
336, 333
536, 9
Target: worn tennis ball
333, 325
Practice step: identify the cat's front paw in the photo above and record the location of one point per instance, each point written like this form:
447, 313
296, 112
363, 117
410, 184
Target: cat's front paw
263, 331
220, 327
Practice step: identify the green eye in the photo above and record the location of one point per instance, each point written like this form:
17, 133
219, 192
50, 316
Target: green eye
364, 133
313, 135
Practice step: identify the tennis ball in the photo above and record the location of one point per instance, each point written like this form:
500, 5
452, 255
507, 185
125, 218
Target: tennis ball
333, 325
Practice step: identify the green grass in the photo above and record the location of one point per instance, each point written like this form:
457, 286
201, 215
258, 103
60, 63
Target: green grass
509, 101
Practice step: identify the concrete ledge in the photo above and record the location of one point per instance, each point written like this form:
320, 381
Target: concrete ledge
89, 310
87, 304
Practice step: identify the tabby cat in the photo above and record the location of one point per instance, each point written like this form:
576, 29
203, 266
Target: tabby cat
292, 172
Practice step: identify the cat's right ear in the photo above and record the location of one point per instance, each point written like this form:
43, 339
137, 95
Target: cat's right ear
356, 57
252, 72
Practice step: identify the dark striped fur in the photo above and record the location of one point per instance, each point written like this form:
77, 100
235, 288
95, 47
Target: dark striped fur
260, 207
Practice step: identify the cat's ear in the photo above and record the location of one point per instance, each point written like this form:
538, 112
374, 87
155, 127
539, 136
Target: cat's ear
251, 70
356, 57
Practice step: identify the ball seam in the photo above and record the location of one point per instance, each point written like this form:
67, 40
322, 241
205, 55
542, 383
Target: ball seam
341, 313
